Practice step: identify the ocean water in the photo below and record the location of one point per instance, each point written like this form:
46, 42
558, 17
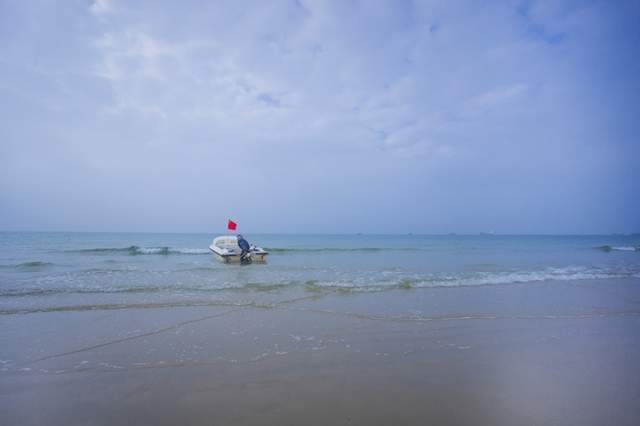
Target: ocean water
48, 272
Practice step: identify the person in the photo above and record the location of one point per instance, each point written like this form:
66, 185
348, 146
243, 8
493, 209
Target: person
245, 247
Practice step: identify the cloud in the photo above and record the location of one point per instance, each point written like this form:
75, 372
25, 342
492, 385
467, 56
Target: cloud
102, 7
324, 107
477, 105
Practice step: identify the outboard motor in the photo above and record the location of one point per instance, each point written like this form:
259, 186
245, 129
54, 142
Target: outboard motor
245, 255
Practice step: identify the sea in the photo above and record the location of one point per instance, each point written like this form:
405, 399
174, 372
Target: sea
59, 271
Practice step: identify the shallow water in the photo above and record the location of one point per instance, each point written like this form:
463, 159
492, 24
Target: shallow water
80, 271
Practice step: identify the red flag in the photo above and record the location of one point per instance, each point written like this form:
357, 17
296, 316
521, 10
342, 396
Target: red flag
231, 225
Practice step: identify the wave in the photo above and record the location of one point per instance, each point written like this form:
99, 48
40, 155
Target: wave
356, 284
94, 290
523, 277
165, 250
404, 282
147, 305
136, 250
338, 249
149, 289
607, 248
32, 266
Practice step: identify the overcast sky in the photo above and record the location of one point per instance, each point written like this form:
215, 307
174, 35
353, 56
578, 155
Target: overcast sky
320, 116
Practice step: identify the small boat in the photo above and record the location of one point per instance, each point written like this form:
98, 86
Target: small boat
227, 250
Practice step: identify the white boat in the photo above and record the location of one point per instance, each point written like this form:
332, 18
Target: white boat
227, 250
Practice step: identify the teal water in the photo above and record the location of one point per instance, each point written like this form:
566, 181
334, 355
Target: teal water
42, 272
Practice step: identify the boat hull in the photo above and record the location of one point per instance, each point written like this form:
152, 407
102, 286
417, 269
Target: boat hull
256, 257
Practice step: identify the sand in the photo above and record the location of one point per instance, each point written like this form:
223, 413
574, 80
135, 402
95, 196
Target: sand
547, 353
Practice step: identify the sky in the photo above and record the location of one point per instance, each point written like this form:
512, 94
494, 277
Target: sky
320, 116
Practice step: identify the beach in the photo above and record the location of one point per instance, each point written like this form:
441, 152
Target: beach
318, 213
544, 351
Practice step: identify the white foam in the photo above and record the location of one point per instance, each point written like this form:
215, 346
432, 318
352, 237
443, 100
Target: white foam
624, 248
151, 250
193, 251
372, 283
570, 273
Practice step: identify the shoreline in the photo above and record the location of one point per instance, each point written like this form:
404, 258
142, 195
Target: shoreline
553, 353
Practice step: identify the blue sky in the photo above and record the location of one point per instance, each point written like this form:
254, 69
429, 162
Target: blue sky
320, 116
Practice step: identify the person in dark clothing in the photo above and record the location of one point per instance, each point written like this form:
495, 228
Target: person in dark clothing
245, 247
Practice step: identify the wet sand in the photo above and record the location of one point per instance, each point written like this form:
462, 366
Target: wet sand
547, 353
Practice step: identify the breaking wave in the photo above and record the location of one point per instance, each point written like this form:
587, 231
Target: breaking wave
364, 282
136, 250
472, 280
608, 248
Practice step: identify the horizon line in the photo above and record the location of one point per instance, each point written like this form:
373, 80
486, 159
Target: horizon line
438, 234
